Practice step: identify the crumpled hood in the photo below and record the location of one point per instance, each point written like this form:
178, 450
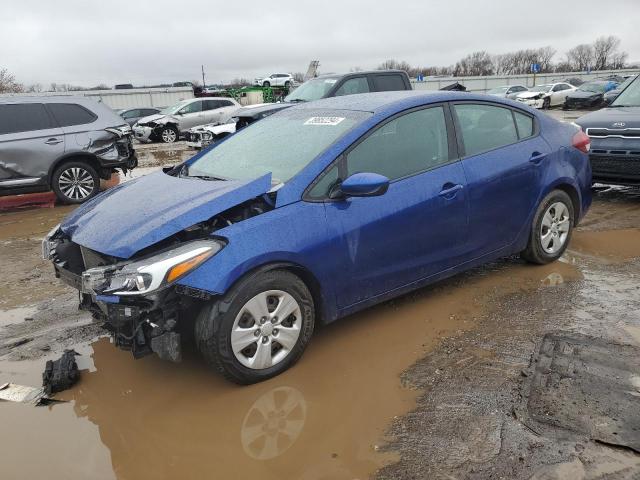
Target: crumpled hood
584, 94
155, 118
530, 94
144, 211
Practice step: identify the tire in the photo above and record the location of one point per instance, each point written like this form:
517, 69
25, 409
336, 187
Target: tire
168, 134
75, 182
219, 323
546, 103
544, 245
287, 84
266, 84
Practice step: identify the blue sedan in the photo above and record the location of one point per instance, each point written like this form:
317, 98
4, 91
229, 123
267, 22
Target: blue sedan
316, 212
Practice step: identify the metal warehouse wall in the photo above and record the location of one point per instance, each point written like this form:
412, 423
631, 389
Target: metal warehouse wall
482, 84
130, 98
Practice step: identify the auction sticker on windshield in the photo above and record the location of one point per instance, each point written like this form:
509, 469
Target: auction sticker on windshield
324, 121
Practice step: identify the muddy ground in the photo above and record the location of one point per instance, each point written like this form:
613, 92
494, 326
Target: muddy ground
463, 379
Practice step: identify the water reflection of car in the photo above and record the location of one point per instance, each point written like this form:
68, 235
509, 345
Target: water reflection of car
546, 96
132, 115
171, 122
615, 138
611, 95
508, 91
316, 212
588, 95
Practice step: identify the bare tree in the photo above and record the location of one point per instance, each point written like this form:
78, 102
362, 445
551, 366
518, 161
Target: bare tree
580, 57
34, 88
8, 82
618, 61
474, 64
604, 48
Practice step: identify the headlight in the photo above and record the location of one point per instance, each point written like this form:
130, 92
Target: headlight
151, 273
49, 245
206, 135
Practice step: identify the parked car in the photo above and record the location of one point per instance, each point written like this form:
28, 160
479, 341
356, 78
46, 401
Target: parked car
546, 96
132, 115
508, 91
170, 123
316, 212
64, 144
317, 88
575, 81
588, 95
611, 95
276, 80
615, 138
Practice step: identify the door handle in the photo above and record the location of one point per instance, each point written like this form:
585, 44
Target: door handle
449, 190
537, 157
53, 141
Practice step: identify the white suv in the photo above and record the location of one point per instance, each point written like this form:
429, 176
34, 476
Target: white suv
276, 80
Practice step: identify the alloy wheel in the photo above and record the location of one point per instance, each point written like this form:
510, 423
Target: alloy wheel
555, 227
169, 135
266, 329
76, 183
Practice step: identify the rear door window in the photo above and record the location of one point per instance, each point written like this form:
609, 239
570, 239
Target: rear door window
26, 117
388, 83
353, 86
69, 114
485, 127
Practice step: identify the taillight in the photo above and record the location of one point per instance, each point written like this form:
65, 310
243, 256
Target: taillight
581, 141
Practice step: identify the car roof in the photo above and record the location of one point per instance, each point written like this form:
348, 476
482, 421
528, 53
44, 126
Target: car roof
379, 101
364, 72
10, 98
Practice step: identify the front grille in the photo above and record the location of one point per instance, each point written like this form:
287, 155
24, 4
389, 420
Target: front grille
612, 132
624, 166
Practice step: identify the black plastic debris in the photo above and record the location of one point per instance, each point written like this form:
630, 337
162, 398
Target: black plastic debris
456, 87
60, 374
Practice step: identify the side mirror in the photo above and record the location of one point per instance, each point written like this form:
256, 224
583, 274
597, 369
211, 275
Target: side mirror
361, 185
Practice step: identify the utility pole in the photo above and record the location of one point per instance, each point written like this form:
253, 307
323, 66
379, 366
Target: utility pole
203, 84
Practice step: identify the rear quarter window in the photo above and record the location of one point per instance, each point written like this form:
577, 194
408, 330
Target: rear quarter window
26, 117
525, 125
69, 114
388, 83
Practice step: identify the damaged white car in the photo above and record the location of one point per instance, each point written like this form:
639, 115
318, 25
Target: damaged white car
546, 96
172, 122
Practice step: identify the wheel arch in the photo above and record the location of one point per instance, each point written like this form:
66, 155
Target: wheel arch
303, 273
87, 157
574, 195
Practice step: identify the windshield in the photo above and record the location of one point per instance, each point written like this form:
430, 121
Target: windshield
540, 88
282, 144
498, 90
174, 108
592, 87
630, 96
311, 90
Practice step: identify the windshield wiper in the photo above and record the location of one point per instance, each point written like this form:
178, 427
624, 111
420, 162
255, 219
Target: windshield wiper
296, 100
618, 106
207, 177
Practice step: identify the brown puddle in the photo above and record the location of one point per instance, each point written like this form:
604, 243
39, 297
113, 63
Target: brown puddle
613, 245
320, 420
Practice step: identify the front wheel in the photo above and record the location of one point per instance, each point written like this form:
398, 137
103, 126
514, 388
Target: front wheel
169, 134
75, 182
259, 329
546, 103
551, 229
266, 84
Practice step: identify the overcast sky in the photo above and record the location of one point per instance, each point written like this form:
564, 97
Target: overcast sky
87, 42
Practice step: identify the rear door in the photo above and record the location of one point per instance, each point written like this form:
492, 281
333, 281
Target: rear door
418, 227
30, 141
503, 159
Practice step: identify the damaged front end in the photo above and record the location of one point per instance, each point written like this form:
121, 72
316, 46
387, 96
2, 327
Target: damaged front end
205, 135
139, 299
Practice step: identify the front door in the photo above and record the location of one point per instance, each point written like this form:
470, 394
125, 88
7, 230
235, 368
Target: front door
418, 227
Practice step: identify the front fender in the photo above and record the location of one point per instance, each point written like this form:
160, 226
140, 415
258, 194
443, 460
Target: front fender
294, 235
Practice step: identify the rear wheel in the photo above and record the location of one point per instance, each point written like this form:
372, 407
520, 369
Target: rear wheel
259, 329
551, 229
75, 182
